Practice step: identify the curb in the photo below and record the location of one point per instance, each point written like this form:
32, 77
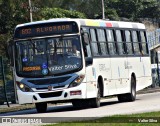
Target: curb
149, 90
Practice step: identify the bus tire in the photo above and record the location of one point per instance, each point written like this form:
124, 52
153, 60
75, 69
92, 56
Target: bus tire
41, 107
129, 96
95, 102
122, 98
132, 96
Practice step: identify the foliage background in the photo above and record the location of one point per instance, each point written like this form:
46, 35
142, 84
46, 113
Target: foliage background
13, 12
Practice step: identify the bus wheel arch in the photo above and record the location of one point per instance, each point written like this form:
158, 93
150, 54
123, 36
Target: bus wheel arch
101, 85
95, 102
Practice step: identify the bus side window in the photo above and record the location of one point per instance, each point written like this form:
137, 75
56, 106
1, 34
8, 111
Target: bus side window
128, 42
94, 44
119, 42
124, 46
135, 43
86, 45
88, 51
102, 41
111, 42
143, 42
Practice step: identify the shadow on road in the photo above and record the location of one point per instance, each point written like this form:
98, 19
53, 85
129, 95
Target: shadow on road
56, 109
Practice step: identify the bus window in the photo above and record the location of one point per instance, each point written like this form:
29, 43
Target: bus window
102, 41
111, 42
135, 42
128, 42
143, 41
119, 42
39, 46
88, 51
94, 45
86, 44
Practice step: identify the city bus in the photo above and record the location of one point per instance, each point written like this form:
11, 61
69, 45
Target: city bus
79, 61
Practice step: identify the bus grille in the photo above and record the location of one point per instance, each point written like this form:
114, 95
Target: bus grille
49, 81
52, 94
46, 88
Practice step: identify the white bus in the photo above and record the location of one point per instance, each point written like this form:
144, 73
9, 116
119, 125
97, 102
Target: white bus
79, 60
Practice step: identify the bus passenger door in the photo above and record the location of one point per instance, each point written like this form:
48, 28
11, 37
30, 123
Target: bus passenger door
91, 74
90, 70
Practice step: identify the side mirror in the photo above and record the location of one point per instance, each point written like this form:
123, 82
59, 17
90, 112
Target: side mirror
85, 38
10, 52
89, 61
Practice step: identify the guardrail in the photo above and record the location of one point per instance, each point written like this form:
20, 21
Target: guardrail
7, 91
153, 39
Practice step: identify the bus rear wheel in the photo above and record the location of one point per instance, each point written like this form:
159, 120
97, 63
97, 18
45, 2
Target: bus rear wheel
129, 96
41, 107
132, 95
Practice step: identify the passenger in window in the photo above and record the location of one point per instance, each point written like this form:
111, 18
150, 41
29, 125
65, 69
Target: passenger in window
75, 51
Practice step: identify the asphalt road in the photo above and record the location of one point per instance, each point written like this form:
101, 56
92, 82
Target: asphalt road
144, 103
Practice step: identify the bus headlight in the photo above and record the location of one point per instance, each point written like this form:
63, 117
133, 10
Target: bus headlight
77, 81
24, 87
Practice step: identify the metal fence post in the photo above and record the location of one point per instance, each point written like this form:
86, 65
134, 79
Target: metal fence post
4, 81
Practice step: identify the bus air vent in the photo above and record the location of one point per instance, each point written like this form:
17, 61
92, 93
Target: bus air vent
52, 94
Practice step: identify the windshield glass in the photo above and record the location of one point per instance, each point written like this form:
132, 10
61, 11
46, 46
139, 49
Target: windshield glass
48, 56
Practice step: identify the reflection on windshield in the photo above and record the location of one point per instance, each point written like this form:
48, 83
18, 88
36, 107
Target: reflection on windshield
48, 56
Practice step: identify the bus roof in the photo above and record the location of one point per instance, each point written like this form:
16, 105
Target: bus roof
92, 22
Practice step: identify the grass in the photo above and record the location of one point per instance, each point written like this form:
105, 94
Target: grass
16, 108
121, 120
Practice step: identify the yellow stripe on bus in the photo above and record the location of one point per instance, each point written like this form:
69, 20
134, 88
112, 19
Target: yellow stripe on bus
92, 23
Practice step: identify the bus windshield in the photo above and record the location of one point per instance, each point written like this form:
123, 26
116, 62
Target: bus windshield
48, 56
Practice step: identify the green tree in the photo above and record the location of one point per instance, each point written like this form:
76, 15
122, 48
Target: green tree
48, 13
151, 9
134, 9
11, 14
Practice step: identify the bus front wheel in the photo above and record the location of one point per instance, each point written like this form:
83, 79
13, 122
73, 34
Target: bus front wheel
95, 102
41, 107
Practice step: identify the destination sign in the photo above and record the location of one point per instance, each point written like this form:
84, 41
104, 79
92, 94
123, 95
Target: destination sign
46, 29
34, 68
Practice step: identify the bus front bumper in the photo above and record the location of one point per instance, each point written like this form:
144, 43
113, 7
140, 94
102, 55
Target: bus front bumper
48, 96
